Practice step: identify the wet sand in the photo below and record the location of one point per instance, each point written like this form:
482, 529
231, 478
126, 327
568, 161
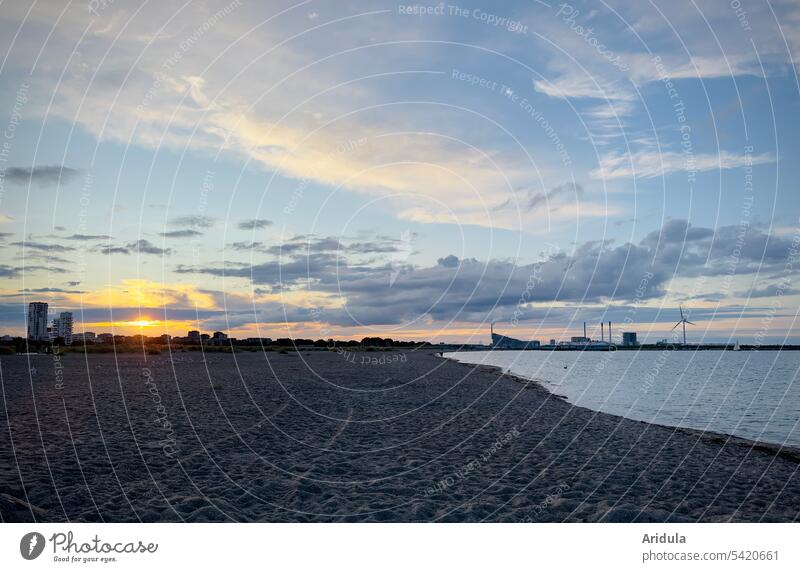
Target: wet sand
319, 436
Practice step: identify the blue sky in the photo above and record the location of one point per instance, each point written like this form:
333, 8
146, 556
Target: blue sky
413, 170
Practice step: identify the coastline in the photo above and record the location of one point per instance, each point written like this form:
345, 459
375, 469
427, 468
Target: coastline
307, 437
784, 451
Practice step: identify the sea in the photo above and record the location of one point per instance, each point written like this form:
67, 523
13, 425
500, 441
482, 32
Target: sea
750, 394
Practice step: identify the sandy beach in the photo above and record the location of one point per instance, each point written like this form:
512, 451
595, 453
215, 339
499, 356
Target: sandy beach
370, 436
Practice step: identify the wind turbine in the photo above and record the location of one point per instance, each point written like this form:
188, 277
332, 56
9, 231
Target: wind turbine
683, 322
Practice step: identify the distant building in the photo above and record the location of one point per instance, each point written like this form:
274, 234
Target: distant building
501, 342
629, 339
37, 321
375, 342
264, 341
552, 341
193, 336
85, 337
580, 340
63, 327
105, 338
219, 338
204, 338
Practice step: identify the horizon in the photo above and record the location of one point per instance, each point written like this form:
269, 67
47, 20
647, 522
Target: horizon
440, 170
590, 330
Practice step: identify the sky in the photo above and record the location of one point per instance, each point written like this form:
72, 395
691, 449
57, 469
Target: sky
413, 171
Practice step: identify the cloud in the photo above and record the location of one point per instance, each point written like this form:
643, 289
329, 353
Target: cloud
114, 250
566, 191
580, 86
50, 290
88, 237
199, 221
449, 261
8, 271
248, 245
769, 291
254, 224
42, 175
650, 163
301, 245
184, 233
469, 290
146, 247
30, 245
6, 218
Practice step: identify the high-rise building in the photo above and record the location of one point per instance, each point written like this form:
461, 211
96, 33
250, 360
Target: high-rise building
37, 321
64, 328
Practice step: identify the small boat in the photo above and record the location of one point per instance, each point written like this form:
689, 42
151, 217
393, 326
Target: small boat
736, 347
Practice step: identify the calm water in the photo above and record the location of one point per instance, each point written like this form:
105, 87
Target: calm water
755, 395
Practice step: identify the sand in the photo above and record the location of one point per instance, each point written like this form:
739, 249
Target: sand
320, 436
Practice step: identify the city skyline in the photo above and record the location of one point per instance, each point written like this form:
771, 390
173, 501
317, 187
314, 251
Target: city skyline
383, 190
62, 328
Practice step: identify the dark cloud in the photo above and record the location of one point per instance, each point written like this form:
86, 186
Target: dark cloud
42, 246
198, 221
141, 246
248, 245
114, 250
40, 268
5, 235
88, 237
50, 290
184, 233
146, 247
42, 175
305, 246
44, 257
450, 261
768, 291
8, 271
470, 290
254, 224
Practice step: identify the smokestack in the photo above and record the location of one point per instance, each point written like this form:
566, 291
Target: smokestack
602, 338
584, 330
609, 331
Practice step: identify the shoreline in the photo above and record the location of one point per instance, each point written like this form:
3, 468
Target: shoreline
313, 437
784, 451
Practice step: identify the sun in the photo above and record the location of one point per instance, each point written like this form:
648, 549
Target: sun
141, 323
